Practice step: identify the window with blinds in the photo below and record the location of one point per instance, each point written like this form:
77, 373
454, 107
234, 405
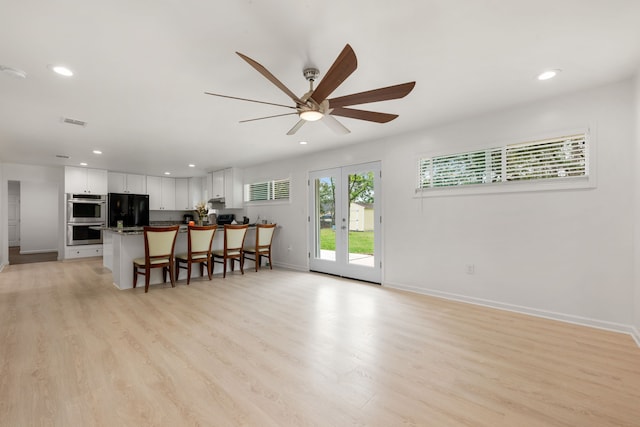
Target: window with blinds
549, 159
268, 190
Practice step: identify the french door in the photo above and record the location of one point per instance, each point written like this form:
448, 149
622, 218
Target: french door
345, 222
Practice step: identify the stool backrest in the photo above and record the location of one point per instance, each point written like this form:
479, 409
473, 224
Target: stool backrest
200, 238
234, 236
159, 242
264, 235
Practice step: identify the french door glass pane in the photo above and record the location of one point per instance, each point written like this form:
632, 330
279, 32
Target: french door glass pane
326, 218
361, 219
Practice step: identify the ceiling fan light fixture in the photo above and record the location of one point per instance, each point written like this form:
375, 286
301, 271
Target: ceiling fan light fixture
311, 115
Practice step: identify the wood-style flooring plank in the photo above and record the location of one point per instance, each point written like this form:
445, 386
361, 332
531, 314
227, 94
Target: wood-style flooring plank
284, 348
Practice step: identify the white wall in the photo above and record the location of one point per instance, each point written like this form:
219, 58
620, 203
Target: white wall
42, 182
565, 254
39, 223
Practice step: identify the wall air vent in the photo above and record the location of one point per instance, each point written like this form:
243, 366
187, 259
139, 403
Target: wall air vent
74, 122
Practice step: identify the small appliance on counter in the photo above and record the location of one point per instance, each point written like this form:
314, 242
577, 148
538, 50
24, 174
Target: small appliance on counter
225, 219
187, 218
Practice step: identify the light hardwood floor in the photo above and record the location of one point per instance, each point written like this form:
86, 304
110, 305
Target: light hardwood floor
283, 348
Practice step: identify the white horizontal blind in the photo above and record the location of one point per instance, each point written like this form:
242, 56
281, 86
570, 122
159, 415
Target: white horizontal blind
552, 158
269, 190
562, 157
281, 189
259, 191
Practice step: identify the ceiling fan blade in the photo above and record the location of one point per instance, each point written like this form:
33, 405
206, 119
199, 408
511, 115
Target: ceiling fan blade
333, 124
371, 116
250, 100
345, 64
262, 70
296, 127
267, 117
375, 95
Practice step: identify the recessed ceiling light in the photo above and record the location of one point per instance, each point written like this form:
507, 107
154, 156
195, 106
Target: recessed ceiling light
167, 173
61, 70
83, 164
303, 142
191, 165
549, 74
97, 152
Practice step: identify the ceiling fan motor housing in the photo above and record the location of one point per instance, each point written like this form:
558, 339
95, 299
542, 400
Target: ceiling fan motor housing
311, 74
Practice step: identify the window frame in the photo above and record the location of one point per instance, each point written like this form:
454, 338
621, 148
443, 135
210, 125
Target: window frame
271, 183
582, 182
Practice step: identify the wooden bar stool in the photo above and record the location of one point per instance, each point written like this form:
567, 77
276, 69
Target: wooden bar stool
233, 246
198, 250
262, 248
159, 244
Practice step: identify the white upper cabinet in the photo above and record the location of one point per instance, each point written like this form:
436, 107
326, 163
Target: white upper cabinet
85, 181
183, 201
217, 185
162, 193
226, 185
233, 189
127, 183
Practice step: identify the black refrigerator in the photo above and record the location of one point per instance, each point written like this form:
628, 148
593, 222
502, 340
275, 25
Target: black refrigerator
131, 209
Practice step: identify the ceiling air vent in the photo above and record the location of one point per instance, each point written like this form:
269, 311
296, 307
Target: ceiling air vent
74, 122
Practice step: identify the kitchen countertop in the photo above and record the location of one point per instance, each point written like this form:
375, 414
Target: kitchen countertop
140, 230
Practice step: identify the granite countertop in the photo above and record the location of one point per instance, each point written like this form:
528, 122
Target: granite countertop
140, 230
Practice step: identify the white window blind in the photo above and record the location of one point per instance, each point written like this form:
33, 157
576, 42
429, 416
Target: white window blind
562, 157
268, 190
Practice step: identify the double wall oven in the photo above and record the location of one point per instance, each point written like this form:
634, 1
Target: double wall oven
86, 215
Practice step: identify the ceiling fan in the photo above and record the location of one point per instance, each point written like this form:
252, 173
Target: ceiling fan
315, 104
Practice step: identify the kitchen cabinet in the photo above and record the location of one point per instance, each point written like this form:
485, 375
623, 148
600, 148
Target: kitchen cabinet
79, 180
195, 191
226, 184
127, 183
217, 185
183, 201
84, 251
233, 189
162, 193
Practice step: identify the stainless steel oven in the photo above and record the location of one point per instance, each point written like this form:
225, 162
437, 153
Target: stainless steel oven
86, 208
84, 234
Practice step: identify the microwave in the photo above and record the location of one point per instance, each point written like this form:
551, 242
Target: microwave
86, 208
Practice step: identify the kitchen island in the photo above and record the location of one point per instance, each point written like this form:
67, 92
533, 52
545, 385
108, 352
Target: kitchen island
122, 246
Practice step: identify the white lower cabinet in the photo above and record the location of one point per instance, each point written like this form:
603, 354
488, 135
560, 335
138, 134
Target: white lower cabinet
85, 251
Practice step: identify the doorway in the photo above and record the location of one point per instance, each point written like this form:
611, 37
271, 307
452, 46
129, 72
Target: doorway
345, 222
31, 236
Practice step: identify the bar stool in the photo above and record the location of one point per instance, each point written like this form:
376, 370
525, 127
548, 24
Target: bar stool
233, 246
159, 244
198, 250
262, 248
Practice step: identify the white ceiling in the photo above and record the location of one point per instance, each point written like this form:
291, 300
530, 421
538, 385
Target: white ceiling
142, 67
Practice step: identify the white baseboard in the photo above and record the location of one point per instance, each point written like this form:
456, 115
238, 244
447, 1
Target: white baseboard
291, 266
635, 334
578, 320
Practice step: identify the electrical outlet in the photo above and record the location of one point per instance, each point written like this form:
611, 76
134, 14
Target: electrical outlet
289, 248
471, 268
